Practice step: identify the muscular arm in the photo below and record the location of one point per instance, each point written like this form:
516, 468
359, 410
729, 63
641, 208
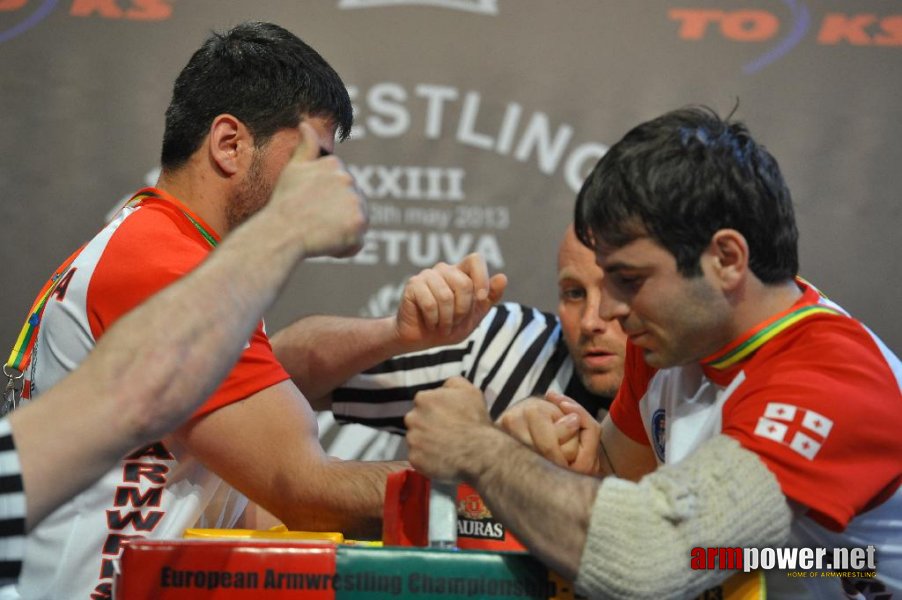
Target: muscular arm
618, 538
615, 537
266, 446
439, 306
548, 507
321, 352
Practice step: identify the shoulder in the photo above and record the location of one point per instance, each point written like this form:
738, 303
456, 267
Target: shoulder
149, 249
158, 234
818, 403
830, 350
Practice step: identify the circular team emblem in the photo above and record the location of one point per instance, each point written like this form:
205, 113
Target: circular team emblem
658, 431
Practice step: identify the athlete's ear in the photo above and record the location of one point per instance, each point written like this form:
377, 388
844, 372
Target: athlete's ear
729, 254
228, 143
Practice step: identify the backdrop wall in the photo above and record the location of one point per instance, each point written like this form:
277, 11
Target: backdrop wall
476, 122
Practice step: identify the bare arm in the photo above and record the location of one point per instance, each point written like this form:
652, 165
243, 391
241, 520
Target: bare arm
266, 446
622, 456
321, 352
597, 531
546, 506
439, 306
130, 390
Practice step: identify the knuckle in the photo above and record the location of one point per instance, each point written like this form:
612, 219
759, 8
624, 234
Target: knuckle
532, 410
458, 278
445, 296
429, 304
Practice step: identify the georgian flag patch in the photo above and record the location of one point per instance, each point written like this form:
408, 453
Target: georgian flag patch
803, 430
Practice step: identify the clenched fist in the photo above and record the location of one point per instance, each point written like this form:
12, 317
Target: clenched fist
317, 196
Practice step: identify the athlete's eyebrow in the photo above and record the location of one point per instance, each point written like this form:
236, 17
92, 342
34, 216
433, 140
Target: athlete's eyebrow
619, 267
615, 266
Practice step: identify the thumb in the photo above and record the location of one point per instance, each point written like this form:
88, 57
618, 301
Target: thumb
308, 147
569, 406
457, 382
497, 284
566, 427
556, 398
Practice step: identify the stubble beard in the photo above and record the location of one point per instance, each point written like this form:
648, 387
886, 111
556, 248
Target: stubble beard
252, 195
608, 389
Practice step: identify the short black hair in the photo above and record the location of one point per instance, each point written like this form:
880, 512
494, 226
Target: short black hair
262, 74
680, 178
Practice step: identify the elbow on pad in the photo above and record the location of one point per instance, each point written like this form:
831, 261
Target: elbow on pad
641, 535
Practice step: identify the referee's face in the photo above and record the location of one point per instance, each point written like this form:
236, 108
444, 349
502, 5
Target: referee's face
597, 346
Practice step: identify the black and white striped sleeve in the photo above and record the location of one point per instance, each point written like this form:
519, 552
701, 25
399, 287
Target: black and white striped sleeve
516, 351
12, 508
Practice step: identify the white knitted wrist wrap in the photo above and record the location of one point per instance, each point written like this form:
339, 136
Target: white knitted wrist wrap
641, 534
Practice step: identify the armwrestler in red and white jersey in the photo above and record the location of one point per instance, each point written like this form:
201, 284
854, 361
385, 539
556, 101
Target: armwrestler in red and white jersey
231, 128
777, 414
142, 398
809, 391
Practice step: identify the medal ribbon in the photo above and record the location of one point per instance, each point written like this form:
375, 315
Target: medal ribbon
767, 332
20, 356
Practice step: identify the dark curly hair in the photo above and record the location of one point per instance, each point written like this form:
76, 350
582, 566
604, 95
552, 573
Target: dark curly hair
681, 177
262, 74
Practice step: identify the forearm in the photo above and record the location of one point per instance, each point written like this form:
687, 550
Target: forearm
438, 308
53, 470
266, 446
343, 496
548, 508
321, 352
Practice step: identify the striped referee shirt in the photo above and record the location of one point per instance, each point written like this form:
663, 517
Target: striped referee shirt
515, 352
12, 508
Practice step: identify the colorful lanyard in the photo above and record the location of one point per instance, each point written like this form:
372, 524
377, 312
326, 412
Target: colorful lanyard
767, 332
21, 353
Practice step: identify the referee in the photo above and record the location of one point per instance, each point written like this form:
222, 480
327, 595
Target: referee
450, 324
